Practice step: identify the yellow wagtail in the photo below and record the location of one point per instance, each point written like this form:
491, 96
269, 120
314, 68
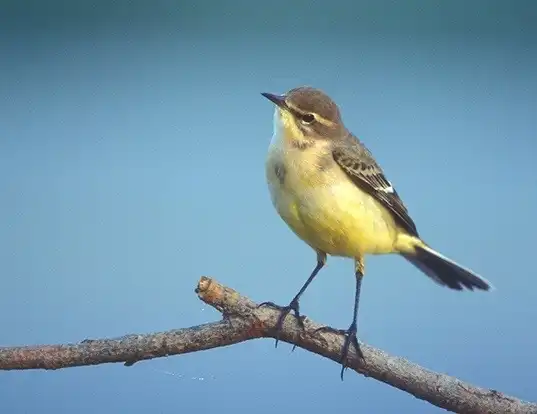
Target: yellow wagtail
327, 187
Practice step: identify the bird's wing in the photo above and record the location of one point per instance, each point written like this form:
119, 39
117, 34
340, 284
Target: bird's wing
358, 163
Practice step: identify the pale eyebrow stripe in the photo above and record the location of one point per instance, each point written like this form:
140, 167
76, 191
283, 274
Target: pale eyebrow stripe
318, 117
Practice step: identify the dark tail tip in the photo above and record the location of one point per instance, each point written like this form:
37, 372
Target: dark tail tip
445, 271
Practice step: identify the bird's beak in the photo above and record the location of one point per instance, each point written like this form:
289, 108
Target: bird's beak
279, 100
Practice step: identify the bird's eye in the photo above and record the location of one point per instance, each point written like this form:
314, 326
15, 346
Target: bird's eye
307, 118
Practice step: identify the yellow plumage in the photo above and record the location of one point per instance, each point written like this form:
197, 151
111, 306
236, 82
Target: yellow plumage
322, 206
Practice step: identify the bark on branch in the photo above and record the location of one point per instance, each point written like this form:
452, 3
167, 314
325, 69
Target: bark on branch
242, 321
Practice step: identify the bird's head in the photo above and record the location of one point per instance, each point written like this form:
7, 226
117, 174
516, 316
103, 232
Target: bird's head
306, 113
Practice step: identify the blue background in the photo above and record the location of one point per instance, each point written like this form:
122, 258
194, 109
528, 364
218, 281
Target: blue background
132, 147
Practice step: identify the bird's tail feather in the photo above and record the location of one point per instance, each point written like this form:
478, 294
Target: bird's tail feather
445, 271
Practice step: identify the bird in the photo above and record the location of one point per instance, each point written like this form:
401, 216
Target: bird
330, 191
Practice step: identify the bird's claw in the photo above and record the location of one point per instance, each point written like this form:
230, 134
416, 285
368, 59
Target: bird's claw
293, 306
350, 337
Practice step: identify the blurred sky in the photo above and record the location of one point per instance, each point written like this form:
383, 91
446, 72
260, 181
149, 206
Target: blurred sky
132, 148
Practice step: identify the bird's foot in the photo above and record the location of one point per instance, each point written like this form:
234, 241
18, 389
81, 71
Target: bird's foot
350, 337
293, 306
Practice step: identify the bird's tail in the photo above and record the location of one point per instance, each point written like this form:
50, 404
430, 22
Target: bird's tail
445, 271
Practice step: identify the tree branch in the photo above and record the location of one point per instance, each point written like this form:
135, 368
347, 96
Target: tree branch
242, 321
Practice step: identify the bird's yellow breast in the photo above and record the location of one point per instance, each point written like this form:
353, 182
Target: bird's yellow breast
321, 205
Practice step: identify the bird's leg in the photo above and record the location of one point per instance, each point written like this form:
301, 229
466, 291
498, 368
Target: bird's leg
293, 306
350, 334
